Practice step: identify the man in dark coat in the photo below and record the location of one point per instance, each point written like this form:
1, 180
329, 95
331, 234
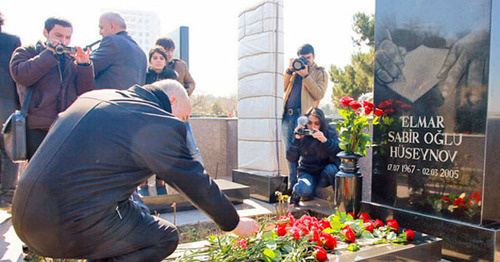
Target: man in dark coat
73, 199
119, 62
56, 79
8, 104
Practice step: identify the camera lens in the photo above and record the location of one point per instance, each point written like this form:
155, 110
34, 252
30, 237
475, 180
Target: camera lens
297, 65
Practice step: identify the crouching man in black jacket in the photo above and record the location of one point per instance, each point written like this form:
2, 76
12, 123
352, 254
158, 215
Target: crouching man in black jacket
73, 199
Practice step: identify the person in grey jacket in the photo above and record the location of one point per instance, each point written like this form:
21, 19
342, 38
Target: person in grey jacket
73, 199
119, 62
8, 104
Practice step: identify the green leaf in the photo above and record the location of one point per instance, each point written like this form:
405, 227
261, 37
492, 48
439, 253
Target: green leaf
353, 247
367, 235
330, 230
268, 235
270, 255
271, 245
391, 236
401, 239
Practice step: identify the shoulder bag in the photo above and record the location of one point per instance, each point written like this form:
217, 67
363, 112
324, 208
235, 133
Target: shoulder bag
14, 132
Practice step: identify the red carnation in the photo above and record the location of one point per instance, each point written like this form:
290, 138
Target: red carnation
295, 231
350, 214
378, 112
280, 230
410, 235
459, 202
329, 241
242, 243
476, 196
349, 234
368, 106
394, 224
378, 223
345, 100
323, 224
368, 225
355, 105
320, 254
447, 199
364, 216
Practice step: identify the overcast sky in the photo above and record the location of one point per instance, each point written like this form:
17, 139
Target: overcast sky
326, 24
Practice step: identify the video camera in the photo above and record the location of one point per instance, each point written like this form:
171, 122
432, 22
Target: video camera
302, 121
299, 63
60, 49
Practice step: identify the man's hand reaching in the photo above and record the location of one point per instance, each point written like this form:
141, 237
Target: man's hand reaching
246, 227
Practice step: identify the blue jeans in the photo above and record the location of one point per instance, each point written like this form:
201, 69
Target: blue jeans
289, 124
307, 183
191, 144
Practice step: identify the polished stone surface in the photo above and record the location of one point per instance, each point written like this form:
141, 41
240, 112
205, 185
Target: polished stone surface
461, 241
262, 187
431, 147
235, 192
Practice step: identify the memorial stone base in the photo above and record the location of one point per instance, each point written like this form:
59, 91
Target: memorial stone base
262, 187
235, 192
461, 241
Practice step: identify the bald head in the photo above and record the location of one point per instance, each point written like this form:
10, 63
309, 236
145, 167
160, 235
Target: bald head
111, 23
179, 100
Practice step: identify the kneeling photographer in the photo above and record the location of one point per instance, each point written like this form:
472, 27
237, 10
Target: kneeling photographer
315, 147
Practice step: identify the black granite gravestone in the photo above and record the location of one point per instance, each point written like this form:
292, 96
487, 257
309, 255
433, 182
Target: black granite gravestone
434, 159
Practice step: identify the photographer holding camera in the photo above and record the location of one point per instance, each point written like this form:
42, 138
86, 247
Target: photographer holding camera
57, 78
315, 147
305, 86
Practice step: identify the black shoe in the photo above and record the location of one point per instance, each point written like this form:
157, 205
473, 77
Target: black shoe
295, 199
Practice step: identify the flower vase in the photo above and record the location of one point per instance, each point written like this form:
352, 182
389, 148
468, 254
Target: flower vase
348, 184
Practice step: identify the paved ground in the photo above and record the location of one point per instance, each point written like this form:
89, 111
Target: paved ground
10, 245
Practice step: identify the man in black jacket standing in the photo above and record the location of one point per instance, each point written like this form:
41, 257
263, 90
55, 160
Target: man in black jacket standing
119, 62
8, 104
73, 200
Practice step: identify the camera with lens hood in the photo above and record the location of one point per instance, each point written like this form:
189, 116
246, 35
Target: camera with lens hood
299, 63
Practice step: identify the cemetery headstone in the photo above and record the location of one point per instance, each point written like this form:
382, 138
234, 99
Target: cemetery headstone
434, 62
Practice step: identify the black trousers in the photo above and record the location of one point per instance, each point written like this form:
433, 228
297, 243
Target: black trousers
34, 138
138, 236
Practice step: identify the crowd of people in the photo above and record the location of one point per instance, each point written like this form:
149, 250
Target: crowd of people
101, 122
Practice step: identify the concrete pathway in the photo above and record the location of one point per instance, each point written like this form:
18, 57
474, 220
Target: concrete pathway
11, 247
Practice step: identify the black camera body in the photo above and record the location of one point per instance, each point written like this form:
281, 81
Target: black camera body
306, 132
299, 63
60, 49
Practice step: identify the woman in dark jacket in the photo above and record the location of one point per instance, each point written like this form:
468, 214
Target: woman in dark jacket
157, 69
316, 152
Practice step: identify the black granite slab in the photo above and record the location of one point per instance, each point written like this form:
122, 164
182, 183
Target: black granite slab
235, 192
432, 81
262, 187
461, 241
